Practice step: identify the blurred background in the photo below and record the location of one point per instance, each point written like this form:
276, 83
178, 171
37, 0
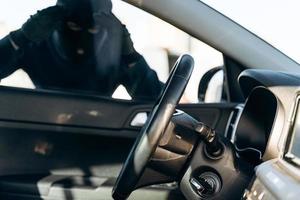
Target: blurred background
159, 42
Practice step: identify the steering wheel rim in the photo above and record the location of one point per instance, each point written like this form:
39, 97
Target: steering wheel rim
152, 131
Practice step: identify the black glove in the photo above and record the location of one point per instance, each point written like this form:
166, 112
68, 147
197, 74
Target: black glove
39, 26
127, 44
129, 54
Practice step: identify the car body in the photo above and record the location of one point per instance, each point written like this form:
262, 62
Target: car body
65, 145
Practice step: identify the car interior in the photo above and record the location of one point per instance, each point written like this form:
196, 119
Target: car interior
58, 145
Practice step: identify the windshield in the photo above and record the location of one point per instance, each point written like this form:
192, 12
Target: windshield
276, 22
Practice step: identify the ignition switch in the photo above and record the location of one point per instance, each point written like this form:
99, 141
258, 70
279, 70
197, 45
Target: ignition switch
206, 184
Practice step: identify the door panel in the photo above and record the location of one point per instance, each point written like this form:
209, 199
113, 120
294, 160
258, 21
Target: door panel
34, 139
67, 109
32, 151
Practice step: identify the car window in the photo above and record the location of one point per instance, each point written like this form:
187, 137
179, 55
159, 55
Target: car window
123, 62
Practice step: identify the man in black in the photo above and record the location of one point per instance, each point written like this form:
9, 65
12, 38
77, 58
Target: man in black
78, 45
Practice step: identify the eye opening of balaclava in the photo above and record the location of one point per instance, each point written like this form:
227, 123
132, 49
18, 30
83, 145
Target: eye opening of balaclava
78, 45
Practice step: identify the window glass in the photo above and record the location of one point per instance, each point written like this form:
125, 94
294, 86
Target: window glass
85, 57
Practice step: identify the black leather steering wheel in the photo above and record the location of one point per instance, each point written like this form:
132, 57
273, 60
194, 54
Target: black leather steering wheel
150, 135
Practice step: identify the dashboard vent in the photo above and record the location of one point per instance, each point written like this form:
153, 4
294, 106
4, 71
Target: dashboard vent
232, 122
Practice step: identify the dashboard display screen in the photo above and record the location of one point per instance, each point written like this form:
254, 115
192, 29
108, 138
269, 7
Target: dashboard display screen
295, 143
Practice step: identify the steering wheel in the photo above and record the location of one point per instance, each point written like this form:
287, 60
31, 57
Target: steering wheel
149, 137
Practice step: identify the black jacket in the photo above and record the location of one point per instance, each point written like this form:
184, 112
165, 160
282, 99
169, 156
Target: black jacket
48, 70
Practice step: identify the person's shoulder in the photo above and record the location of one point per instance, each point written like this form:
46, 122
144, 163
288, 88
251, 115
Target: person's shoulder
35, 50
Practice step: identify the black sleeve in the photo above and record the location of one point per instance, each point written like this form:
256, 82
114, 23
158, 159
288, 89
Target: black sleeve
140, 80
10, 57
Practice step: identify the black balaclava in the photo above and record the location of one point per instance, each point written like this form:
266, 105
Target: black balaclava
82, 11
79, 44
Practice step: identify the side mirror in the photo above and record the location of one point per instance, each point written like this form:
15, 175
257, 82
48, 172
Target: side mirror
210, 87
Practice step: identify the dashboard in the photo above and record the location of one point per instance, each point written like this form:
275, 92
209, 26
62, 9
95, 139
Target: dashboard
269, 124
264, 151
272, 97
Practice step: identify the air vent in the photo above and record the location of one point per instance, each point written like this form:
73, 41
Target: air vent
232, 122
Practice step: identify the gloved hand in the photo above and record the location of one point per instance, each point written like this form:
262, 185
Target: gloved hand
39, 26
130, 55
127, 44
